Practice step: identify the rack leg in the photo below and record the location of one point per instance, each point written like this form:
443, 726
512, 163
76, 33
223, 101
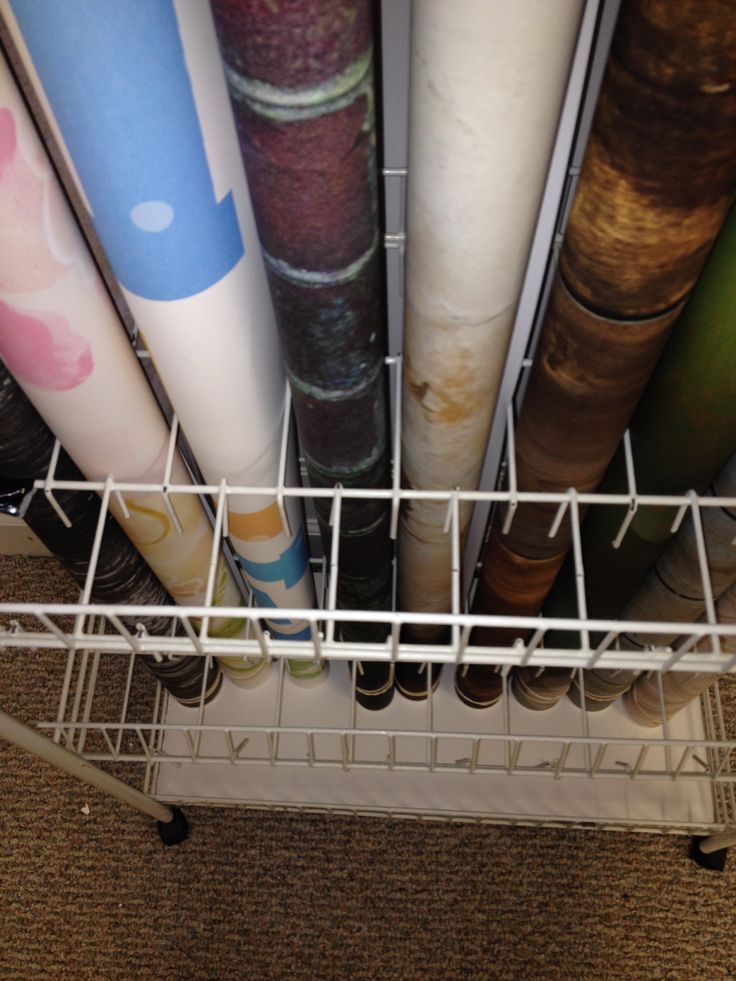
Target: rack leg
710, 852
172, 824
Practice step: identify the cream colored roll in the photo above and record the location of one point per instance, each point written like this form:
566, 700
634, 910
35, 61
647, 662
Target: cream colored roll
679, 688
674, 589
487, 83
602, 688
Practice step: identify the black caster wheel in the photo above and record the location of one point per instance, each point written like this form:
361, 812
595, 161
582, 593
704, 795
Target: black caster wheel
175, 831
716, 861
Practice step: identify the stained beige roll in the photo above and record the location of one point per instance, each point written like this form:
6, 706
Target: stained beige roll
487, 83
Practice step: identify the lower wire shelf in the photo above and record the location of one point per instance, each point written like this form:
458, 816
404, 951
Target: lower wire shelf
278, 745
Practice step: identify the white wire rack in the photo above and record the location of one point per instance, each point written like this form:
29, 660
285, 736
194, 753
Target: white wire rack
280, 746
437, 758
323, 645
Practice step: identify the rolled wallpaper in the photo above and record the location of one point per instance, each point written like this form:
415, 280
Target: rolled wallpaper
301, 80
121, 575
682, 434
655, 187
62, 340
674, 589
137, 94
486, 93
679, 688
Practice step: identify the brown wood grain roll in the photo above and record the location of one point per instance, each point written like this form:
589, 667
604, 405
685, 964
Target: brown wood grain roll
588, 375
509, 585
692, 42
512, 585
659, 175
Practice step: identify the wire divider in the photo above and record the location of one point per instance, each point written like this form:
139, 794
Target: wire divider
89, 647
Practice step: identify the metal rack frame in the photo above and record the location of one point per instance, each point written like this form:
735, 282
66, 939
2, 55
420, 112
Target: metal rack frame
487, 749
428, 741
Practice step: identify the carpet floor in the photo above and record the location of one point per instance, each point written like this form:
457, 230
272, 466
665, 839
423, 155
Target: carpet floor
267, 895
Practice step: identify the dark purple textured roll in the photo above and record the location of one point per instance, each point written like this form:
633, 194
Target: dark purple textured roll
312, 184
296, 44
121, 574
334, 329
301, 80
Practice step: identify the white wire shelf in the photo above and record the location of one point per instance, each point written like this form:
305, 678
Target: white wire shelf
195, 638
279, 745
283, 747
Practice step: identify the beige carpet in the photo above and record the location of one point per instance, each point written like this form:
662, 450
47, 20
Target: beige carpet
261, 896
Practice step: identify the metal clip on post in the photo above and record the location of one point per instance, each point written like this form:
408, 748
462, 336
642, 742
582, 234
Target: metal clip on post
170, 450
633, 498
395, 364
214, 555
511, 443
283, 457
577, 551
710, 610
49, 484
335, 518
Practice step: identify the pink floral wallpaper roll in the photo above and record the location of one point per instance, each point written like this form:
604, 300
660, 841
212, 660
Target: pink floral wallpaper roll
62, 339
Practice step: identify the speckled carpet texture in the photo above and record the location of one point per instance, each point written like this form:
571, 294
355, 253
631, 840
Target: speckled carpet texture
257, 895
